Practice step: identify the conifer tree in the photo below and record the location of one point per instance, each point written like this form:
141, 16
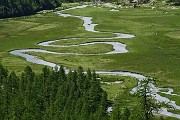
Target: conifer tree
147, 104
116, 114
126, 114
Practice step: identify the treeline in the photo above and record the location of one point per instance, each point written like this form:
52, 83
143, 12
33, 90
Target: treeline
175, 2
14, 8
51, 95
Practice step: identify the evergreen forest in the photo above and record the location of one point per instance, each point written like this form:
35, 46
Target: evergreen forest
14, 8
51, 95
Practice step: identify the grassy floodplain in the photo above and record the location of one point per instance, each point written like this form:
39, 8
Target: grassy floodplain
153, 52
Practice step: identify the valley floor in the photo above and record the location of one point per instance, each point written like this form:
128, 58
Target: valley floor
153, 52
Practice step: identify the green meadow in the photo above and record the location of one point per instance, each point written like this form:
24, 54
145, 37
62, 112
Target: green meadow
154, 52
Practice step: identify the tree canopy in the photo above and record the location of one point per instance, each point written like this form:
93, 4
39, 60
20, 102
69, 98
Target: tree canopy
14, 8
51, 95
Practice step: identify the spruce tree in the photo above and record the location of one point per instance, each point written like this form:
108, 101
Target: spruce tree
147, 105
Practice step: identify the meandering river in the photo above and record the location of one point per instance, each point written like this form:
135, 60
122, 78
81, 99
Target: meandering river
118, 48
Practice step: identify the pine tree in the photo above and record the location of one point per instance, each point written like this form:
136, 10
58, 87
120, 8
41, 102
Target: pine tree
13, 83
147, 105
126, 114
62, 75
116, 114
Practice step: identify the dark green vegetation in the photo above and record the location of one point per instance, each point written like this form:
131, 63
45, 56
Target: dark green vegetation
51, 95
174, 2
14, 8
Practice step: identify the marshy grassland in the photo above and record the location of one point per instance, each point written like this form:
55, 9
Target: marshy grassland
154, 52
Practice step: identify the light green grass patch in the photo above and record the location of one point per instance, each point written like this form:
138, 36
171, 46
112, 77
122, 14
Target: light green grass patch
13, 26
95, 62
11, 62
171, 97
87, 49
2, 36
165, 118
43, 27
176, 90
112, 78
113, 90
175, 34
164, 90
116, 90
77, 41
174, 111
